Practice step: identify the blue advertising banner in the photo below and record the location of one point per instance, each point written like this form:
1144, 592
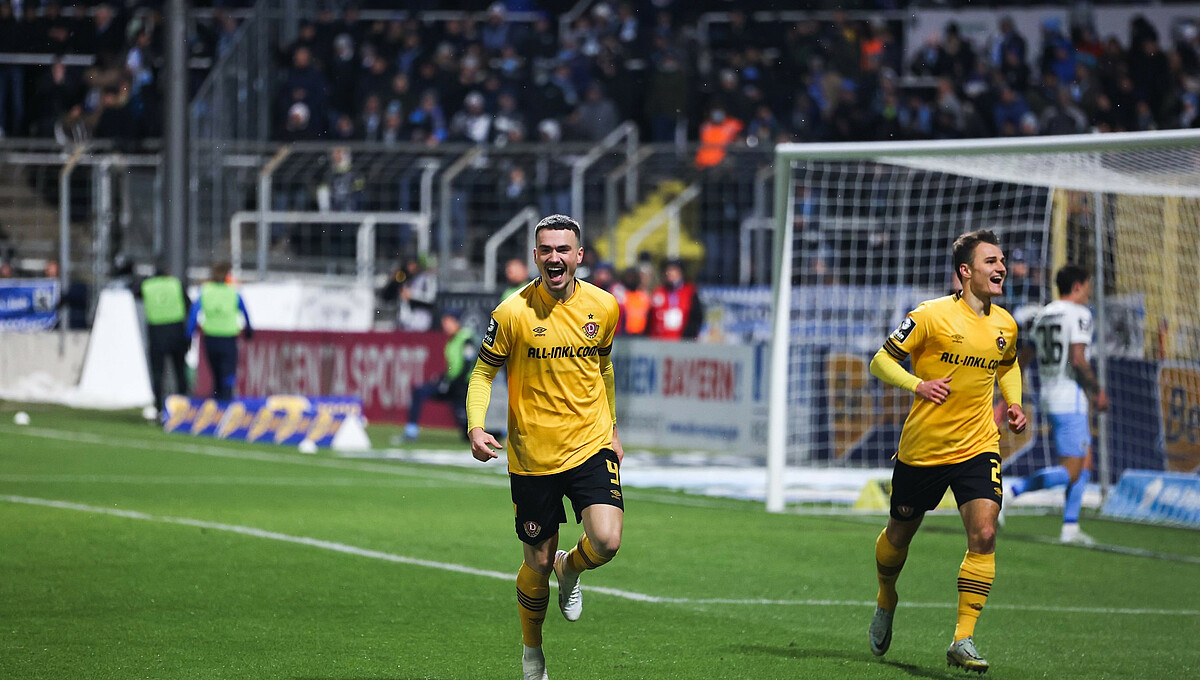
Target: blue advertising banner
287, 420
28, 304
1166, 497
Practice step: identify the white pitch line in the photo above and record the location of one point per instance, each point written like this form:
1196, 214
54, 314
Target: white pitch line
504, 576
492, 477
184, 480
262, 456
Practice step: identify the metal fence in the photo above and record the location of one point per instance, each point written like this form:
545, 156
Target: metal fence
100, 212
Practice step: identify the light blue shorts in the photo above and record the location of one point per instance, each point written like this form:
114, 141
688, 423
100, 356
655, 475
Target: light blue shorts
1072, 434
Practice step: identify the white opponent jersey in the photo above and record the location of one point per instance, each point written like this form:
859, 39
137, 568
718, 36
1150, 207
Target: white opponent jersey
1056, 327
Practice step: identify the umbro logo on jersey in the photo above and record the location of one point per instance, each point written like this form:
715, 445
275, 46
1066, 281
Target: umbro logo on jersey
956, 338
539, 332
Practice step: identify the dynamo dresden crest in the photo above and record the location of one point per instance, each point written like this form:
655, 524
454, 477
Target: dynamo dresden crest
1000, 343
532, 529
590, 329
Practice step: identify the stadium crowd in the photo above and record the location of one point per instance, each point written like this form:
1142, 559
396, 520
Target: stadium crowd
495, 80
490, 78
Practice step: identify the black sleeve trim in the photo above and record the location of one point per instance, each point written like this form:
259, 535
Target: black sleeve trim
894, 350
604, 351
1008, 362
491, 358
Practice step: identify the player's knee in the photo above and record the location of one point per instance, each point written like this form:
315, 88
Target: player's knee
983, 539
606, 545
542, 564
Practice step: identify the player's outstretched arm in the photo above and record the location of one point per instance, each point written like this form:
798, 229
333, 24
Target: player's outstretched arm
479, 395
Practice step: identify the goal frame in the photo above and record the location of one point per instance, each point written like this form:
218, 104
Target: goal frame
786, 155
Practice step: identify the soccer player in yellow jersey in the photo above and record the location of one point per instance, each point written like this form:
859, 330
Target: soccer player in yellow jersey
553, 337
960, 345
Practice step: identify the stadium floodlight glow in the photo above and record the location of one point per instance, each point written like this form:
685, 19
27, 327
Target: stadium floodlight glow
863, 234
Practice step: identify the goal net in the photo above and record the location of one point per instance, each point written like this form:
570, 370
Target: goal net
863, 235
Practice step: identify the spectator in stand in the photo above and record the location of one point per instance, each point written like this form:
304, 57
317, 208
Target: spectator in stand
764, 128
596, 116
393, 126
1008, 112
375, 78
716, 135
343, 129
666, 97
675, 309
552, 174
1021, 285
516, 276
305, 84
427, 124
52, 29
510, 123
341, 190
1062, 117
56, 93
343, 75
634, 302
116, 120
105, 37
401, 95
603, 277
472, 124
370, 120
297, 126
497, 32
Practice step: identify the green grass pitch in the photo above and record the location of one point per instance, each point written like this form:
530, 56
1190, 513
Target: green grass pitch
129, 553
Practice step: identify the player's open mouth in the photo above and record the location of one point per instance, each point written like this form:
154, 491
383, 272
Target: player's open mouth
555, 272
998, 279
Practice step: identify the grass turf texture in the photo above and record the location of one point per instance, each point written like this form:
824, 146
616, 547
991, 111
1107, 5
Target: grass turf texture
91, 595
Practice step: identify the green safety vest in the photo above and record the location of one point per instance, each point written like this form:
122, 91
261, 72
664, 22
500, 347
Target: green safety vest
460, 353
163, 297
219, 303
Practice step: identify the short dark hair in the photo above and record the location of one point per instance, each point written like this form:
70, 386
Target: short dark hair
558, 222
220, 271
964, 246
1068, 276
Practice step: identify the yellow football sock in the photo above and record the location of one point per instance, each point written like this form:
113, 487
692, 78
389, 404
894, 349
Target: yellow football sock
533, 593
583, 556
889, 560
975, 578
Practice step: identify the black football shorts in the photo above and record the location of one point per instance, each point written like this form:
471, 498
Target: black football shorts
538, 499
918, 489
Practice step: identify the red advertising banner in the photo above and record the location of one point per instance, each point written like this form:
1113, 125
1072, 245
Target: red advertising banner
381, 369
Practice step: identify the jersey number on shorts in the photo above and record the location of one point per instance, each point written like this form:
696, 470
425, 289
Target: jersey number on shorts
995, 471
1049, 346
614, 471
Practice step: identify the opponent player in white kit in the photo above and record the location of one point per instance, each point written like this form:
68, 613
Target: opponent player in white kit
1062, 337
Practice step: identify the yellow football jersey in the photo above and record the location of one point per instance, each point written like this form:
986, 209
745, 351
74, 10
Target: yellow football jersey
947, 339
558, 413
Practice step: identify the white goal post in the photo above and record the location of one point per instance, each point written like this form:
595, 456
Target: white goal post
863, 233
